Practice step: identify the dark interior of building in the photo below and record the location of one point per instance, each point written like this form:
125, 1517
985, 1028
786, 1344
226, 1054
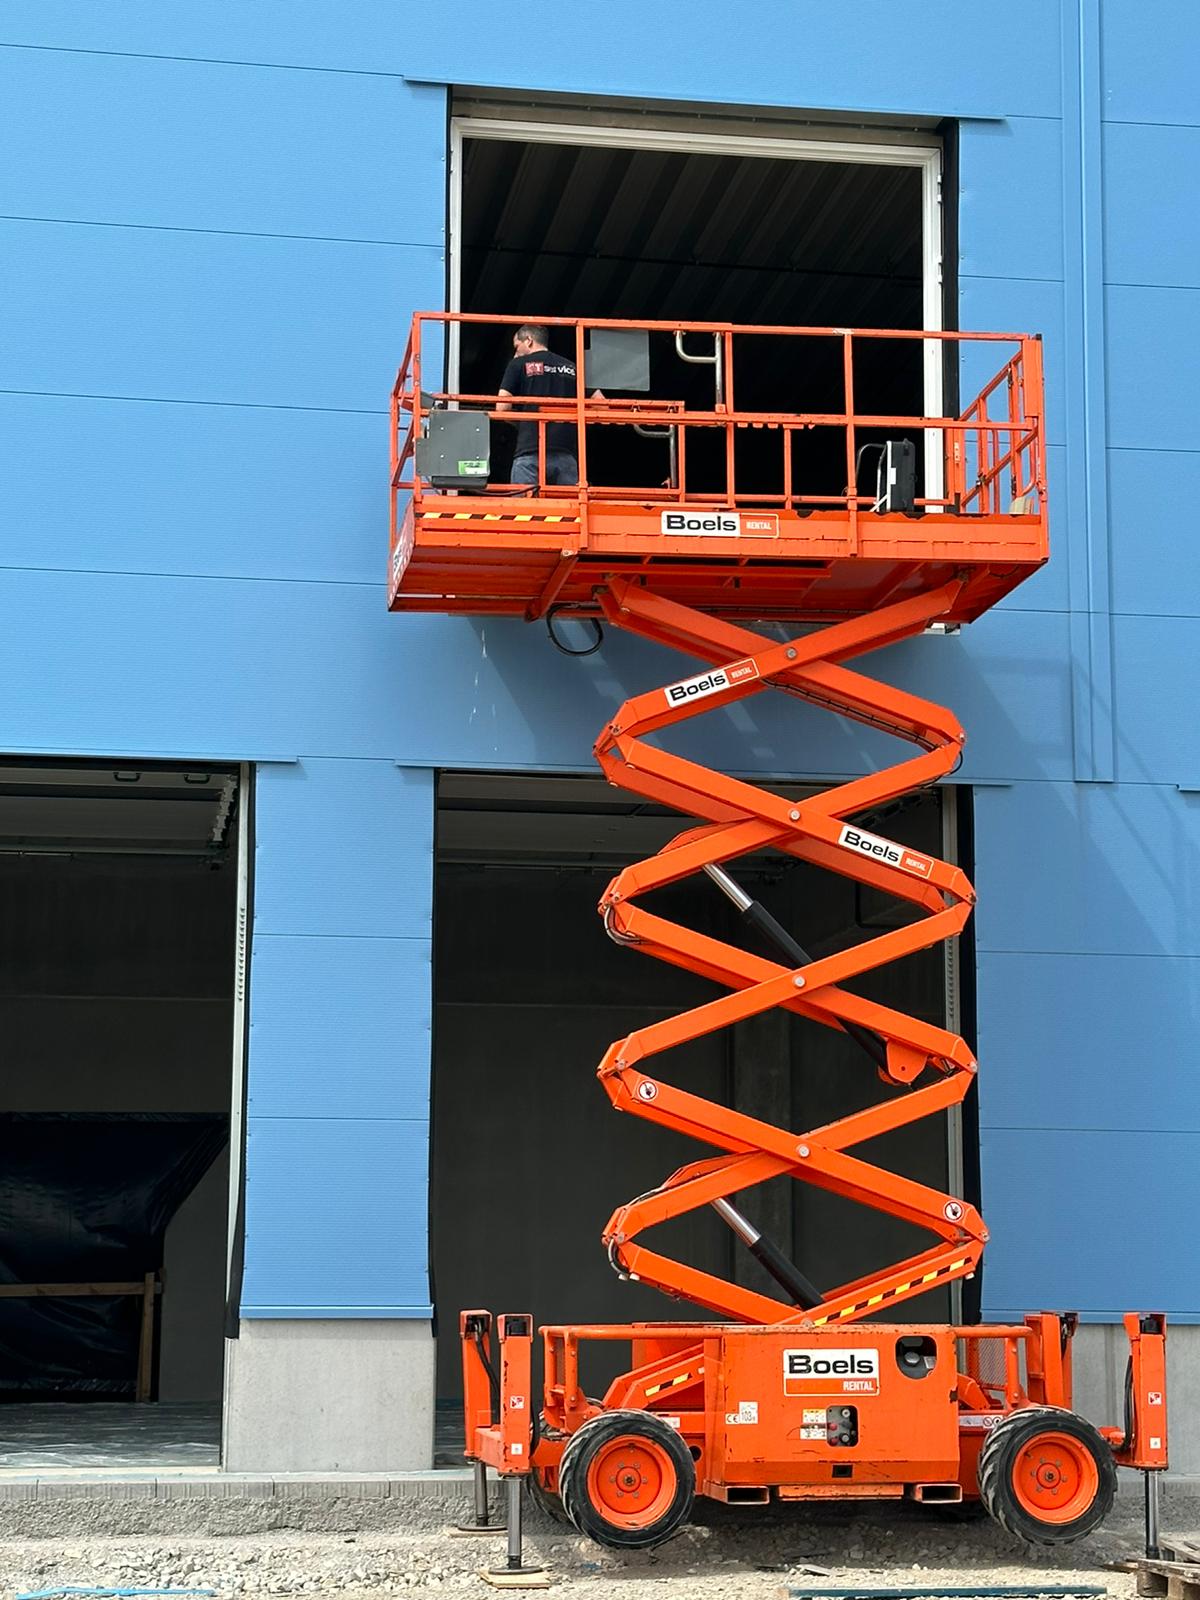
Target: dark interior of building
117, 951
697, 237
530, 1159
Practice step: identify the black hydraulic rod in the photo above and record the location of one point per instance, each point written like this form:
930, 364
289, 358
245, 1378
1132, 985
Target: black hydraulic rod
761, 919
771, 1258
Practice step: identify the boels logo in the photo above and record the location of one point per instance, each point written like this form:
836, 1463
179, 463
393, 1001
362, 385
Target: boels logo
706, 683
720, 524
885, 850
725, 523
824, 1372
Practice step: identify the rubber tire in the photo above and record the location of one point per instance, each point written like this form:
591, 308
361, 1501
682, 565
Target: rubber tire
545, 1499
582, 1450
998, 1458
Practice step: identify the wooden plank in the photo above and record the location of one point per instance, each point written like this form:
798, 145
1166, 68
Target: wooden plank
1178, 1580
29, 1291
145, 1367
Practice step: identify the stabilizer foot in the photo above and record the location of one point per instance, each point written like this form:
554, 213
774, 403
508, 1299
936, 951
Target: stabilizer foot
515, 1573
481, 1522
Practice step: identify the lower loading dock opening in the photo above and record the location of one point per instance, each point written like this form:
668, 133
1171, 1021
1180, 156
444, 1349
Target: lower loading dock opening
117, 951
529, 1159
649, 234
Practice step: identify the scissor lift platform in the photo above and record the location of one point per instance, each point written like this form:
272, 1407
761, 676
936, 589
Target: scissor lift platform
741, 553
800, 1394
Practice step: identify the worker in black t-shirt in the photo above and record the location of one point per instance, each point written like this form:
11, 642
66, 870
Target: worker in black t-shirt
536, 370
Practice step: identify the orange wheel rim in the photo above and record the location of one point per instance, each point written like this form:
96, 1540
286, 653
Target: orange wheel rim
1055, 1478
632, 1482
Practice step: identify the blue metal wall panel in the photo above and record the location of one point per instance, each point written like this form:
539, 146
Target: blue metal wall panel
235, 148
1153, 336
335, 1217
1149, 174
358, 36
1010, 201
344, 848
1155, 561
1150, 52
207, 667
224, 318
340, 1007
1065, 1231
192, 490
875, 57
340, 1027
1158, 737
246, 205
1066, 868
1135, 1066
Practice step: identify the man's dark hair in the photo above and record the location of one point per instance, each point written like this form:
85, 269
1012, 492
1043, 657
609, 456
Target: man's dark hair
534, 331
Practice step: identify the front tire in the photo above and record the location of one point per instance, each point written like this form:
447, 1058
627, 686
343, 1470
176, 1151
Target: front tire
627, 1480
1047, 1476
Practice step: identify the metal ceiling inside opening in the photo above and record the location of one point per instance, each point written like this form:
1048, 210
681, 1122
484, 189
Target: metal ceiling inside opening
585, 230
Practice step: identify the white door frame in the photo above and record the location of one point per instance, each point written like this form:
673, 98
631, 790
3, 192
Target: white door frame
240, 977
923, 153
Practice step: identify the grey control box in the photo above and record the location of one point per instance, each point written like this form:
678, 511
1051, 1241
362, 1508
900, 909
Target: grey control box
454, 450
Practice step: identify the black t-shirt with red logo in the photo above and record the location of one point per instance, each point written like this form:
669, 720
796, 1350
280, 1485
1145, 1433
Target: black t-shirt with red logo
542, 372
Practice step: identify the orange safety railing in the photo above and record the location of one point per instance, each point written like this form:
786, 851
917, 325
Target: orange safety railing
987, 461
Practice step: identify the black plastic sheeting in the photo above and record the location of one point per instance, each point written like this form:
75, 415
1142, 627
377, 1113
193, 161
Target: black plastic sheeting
87, 1199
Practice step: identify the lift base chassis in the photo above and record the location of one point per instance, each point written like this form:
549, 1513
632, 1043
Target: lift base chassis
870, 1411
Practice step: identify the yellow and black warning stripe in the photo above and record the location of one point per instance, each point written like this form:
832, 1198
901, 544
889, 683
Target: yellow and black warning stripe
674, 1383
889, 1294
499, 516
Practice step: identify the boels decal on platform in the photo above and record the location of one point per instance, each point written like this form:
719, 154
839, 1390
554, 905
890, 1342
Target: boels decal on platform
825, 1372
706, 683
720, 524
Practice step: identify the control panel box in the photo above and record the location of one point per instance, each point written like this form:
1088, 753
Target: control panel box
862, 1404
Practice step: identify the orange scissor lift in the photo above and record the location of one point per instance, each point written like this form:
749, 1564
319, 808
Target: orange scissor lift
804, 1395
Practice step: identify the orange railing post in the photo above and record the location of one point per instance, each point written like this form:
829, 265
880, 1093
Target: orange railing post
851, 436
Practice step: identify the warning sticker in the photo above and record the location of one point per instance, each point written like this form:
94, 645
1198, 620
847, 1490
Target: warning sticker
811, 1431
746, 1412
812, 1416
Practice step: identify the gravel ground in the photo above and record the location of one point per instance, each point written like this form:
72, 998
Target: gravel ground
745, 1554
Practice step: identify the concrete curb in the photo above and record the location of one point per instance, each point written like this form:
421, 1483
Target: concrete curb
449, 1487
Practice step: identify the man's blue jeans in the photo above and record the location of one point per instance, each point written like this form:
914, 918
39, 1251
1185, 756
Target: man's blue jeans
561, 467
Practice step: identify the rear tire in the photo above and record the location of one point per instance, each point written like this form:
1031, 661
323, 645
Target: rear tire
1047, 1476
627, 1480
546, 1500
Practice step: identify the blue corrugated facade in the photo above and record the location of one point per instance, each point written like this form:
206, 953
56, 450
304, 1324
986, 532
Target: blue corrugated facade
216, 223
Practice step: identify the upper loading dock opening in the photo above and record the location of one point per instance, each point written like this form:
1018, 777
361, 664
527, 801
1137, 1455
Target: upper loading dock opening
835, 386
586, 231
